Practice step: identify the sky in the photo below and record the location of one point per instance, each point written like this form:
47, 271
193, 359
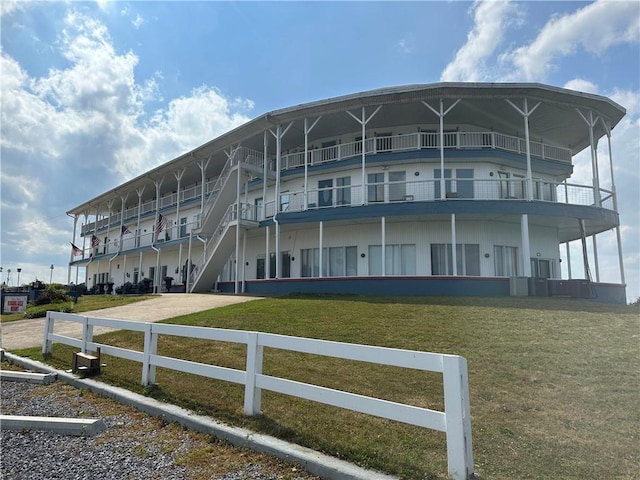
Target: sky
96, 93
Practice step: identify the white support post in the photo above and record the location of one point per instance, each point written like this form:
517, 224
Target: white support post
526, 248
87, 334
139, 191
568, 261
383, 242
307, 130
320, 249
150, 348
363, 123
595, 177
595, 257
454, 250
47, 344
203, 164
458, 417
615, 203
441, 113
253, 394
526, 113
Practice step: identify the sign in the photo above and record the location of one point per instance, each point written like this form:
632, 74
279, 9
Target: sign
15, 304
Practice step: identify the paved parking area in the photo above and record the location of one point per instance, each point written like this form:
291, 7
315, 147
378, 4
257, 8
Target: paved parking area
29, 332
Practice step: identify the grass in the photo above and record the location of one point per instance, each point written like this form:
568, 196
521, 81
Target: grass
87, 303
554, 383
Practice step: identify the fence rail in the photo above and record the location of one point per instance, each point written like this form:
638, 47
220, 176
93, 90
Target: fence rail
454, 420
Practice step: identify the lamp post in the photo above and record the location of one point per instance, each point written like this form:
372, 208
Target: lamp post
51, 274
19, 270
9, 276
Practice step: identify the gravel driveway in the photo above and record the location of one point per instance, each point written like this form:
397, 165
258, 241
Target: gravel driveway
134, 446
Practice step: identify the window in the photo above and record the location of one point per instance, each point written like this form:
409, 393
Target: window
310, 262
343, 191
456, 183
325, 193
397, 186
375, 187
467, 259
284, 202
285, 266
399, 259
505, 260
259, 205
183, 227
336, 262
541, 267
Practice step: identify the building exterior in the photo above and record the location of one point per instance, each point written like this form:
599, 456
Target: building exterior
447, 189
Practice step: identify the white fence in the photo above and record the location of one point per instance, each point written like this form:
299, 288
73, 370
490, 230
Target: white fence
454, 421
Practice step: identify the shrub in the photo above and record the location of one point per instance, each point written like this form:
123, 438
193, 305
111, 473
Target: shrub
52, 294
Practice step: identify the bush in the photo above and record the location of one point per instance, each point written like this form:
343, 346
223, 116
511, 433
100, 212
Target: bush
52, 294
38, 311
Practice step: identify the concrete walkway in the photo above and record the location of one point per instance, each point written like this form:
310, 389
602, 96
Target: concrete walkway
30, 332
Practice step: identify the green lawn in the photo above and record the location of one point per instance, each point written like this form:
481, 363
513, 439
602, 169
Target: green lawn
554, 383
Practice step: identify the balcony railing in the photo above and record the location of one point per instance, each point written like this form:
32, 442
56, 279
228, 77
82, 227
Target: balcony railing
425, 140
429, 190
373, 145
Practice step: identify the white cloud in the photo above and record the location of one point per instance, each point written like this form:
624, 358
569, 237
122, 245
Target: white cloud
138, 21
595, 28
491, 18
84, 128
581, 85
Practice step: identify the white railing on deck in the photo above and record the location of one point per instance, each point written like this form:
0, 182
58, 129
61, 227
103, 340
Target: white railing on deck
424, 140
454, 421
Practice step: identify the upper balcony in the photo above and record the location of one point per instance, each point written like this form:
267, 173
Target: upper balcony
425, 140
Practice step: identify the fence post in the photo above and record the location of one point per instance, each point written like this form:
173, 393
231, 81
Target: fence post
252, 394
48, 329
150, 348
457, 417
87, 334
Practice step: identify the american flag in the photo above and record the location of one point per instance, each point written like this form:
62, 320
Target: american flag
162, 222
95, 241
76, 251
125, 230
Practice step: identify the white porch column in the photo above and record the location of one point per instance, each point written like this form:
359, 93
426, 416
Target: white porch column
526, 113
278, 136
526, 249
203, 164
267, 261
615, 203
595, 257
363, 123
307, 130
383, 241
139, 191
75, 226
178, 174
320, 249
568, 261
265, 177
156, 277
595, 178
441, 113
454, 250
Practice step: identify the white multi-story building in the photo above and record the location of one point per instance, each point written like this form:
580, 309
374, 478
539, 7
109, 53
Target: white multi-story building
447, 189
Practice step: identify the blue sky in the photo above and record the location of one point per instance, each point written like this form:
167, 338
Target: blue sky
94, 93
